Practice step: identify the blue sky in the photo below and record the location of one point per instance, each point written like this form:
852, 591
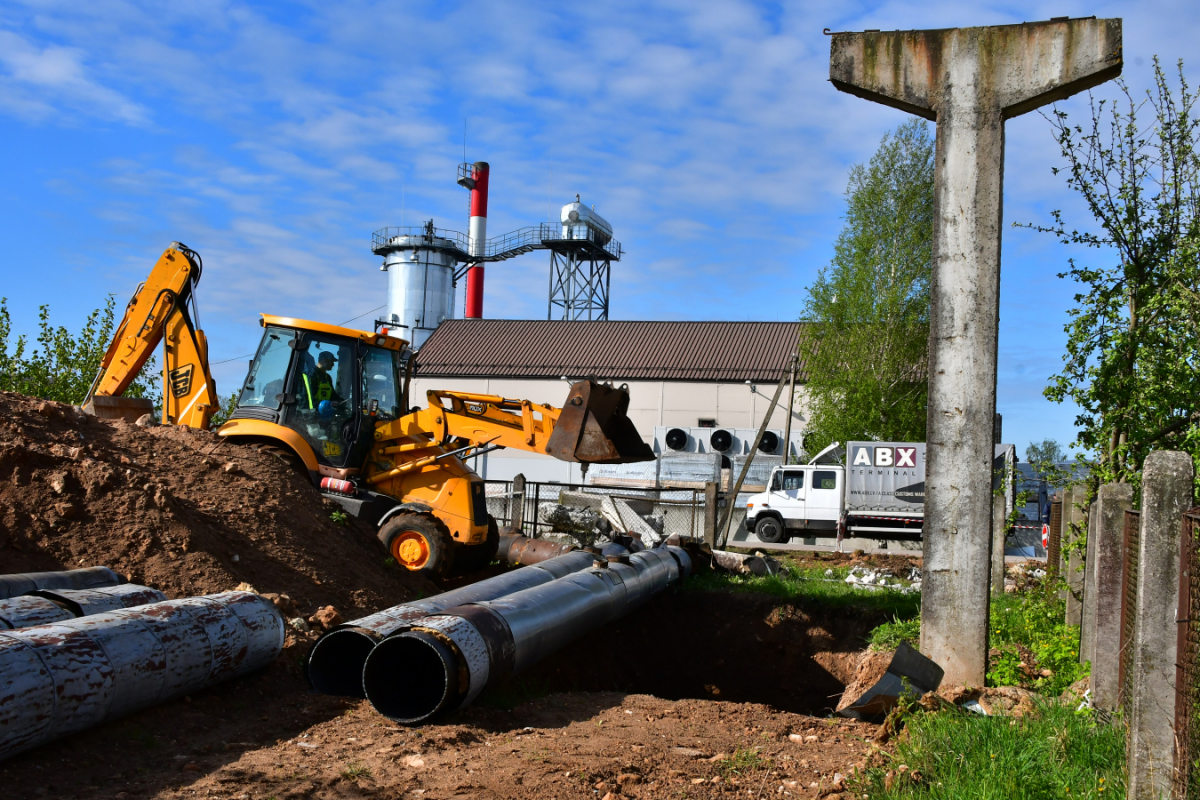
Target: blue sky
275, 137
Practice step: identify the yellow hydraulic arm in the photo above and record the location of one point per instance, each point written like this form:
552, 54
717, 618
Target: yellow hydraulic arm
158, 312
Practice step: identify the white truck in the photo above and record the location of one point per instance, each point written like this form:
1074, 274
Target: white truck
877, 492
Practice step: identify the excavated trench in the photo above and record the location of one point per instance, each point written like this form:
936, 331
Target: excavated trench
713, 645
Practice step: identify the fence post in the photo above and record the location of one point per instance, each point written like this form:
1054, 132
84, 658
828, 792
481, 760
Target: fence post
999, 531
1087, 630
1072, 524
1104, 591
710, 513
1166, 495
517, 517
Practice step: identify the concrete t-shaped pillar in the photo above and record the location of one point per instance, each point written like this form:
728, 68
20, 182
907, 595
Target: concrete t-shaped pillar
969, 80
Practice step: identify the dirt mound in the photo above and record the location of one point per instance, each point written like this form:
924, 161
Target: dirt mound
178, 509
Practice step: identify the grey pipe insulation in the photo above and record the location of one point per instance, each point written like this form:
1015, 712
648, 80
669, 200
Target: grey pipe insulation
67, 676
44, 606
440, 663
15, 585
335, 664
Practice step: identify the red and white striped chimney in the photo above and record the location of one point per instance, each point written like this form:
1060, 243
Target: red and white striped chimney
478, 234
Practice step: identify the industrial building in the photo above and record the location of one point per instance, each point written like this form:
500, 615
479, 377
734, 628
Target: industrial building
697, 378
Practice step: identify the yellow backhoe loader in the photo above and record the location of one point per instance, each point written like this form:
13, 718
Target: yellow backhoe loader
333, 402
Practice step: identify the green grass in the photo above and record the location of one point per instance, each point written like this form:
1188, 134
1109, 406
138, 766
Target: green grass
1034, 620
1056, 753
355, 770
889, 635
744, 760
811, 585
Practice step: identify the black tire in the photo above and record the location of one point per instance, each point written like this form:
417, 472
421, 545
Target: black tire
770, 530
472, 557
419, 543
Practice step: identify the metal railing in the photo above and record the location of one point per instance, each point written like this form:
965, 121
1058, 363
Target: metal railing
679, 511
498, 248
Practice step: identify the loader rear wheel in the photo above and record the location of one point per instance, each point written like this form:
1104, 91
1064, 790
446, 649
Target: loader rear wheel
285, 456
420, 543
470, 558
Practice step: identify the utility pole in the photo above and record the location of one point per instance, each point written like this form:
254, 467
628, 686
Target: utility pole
787, 425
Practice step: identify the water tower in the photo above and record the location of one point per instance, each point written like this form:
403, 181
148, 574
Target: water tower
581, 258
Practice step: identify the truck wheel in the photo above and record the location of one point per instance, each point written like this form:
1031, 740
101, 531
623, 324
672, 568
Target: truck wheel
769, 531
472, 557
420, 543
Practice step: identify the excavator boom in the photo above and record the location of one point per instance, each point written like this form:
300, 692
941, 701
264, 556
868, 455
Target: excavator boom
159, 312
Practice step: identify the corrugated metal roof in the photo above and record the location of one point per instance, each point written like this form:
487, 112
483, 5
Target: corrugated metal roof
610, 350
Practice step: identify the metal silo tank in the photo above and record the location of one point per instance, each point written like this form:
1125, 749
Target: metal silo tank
420, 285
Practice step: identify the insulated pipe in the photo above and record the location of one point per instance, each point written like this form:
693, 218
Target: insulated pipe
67, 676
478, 233
335, 665
89, 578
521, 550
49, 605
443, 662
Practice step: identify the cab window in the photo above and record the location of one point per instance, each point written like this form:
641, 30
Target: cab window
264, 383
380, 374
824, 479
791, 479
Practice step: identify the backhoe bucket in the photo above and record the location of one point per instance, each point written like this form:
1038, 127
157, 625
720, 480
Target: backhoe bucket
594, 429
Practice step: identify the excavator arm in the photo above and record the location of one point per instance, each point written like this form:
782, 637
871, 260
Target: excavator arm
159, 312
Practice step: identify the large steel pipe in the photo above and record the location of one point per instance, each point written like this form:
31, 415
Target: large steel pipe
443, 662
67, 676
90, 578
335, 665
520, 550
53, 605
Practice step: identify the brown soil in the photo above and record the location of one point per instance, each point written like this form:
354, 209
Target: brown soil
177, 509
871, 667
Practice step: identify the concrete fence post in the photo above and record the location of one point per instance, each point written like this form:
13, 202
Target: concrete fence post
969, 81
517, 517
1167, 477
999, 534
710, 513
1087, 629
1104, 591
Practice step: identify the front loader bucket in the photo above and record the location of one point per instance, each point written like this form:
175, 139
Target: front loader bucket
593, 428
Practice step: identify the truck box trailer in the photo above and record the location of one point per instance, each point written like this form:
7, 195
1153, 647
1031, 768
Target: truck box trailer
871, 490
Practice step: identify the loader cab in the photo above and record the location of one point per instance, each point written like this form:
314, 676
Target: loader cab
329, 385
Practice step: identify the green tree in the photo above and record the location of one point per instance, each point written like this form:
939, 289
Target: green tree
1131, 357
868, 310
1047, 451
63, 365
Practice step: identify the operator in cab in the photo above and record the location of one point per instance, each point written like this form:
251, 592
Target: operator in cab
319, 386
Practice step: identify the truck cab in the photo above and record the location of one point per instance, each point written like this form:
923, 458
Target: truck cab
799, 498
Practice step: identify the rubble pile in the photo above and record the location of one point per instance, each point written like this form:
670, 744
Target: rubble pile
908, 580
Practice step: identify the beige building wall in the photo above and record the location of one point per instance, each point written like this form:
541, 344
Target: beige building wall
651, 404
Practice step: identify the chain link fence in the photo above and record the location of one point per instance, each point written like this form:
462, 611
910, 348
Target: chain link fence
1187, 671
1129, 578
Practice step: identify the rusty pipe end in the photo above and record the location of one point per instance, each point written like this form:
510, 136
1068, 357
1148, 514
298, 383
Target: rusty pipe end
335, 664
412, 677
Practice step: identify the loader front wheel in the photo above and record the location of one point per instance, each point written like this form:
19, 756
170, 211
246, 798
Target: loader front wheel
474, 557
420, 543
